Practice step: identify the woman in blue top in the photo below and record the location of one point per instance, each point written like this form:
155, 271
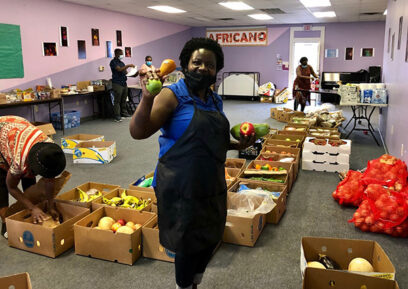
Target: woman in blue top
189, 180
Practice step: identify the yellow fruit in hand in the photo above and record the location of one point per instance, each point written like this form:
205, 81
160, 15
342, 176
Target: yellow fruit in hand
106, 223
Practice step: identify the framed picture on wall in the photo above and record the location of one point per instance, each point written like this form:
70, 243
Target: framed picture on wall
118, 38
64, 36
367, 52
392, 46
49, 49
81, 49
95, 36
128, 52
389, 40
406, 50
400, 32
348, 55
109, 49
331, 53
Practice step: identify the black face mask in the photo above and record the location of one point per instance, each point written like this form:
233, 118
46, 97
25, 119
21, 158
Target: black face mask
197, 81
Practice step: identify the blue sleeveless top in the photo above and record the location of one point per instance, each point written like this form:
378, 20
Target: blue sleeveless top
177, 124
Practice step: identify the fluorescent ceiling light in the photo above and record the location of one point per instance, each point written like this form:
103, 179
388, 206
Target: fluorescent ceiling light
385, 12
326, 14
316, 3
237, 5
166, 9
260, 16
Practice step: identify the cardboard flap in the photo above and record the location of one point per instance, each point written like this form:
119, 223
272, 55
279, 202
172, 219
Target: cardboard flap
18, 281
36, 193
331, 279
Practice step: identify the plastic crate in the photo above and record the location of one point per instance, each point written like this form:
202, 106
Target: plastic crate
71, 119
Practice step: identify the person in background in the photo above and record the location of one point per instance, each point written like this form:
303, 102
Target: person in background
146, 67
25, 152
189, 179
304, 73
119, 85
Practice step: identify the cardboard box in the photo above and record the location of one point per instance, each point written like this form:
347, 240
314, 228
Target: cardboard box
81, 85
343, 251
107, 245
72, 196
69, 143
290, 115
324, 166
94, 152
282, 96
276, 214
325, 157
281, 143
289, 171
344, 146
46, 128
35, 238
274, 112
3, 98
17, 281
235, 163
329, 279
234, 174
298, 127
99, 87
282, 114
300, 137
151, 243
98, 203
278, 155
134, 185
241, 230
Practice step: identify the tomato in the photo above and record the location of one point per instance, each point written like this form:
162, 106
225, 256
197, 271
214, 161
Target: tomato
374, 229
400, 211
380, 225
358, 222
365, 213
334, 194
394, 217
364, 228
384, 215
369, 220
388, 231
379, 204
356, 215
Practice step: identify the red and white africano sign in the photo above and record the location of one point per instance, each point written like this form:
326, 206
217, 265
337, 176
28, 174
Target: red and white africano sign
240, 37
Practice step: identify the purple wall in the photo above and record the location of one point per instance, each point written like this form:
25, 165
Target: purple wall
394, 119
337, 35
145, 36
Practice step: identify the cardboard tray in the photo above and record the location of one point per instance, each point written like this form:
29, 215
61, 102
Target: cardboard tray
295, 151
276, 214
72, 195
35, 238
133, 185
243, 231
151, 243
98, 203
17, 281
107, 245
331, 279
343, 251
281, 143
235, 163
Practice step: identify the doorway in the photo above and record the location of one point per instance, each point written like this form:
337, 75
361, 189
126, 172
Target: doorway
305, 43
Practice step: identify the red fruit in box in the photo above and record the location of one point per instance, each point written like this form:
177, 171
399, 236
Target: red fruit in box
247, 129
122, 222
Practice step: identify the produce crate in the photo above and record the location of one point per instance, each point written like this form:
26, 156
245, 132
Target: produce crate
281, 143
276, 214
234, 174
296, 127
69, 143
299, 138
278, 153
72, 196
235, 163
71, 119
288, 171
135, 185
98, 203
17, 281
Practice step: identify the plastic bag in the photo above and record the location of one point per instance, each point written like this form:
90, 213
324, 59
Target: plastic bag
387, 171
350, 191
382, 211
243, 205
243, 189
267, 89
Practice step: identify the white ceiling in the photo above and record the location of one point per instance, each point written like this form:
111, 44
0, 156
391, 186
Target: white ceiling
208, 12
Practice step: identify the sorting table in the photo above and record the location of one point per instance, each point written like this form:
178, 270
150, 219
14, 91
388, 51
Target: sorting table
361, 112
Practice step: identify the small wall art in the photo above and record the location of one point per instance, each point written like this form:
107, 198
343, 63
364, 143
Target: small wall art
64, 36
349, 53
81, 49
109, 49
50, 49
331, 53
367, 52
128, 52
95, 36
118, 38
400, 32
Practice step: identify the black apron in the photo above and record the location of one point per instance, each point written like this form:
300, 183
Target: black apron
190, 184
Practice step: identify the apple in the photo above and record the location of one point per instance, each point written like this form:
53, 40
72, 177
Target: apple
246, 129
154, 86
121, 221
116, 226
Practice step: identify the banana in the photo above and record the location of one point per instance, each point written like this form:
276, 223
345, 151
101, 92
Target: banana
123, 194
106, 201
83, 197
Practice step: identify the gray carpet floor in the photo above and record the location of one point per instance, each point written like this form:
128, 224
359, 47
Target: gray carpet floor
272, 263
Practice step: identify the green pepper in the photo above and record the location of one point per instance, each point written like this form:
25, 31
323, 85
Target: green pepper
266, 168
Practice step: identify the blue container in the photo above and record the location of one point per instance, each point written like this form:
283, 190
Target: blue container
71, 119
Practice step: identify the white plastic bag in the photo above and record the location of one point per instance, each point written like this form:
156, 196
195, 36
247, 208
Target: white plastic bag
249, 205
